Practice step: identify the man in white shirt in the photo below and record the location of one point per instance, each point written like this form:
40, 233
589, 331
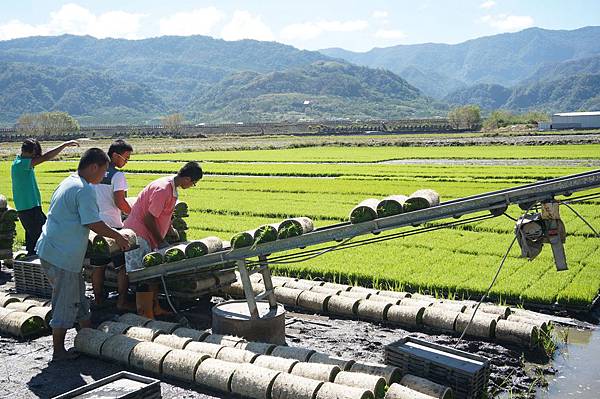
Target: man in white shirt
111, 194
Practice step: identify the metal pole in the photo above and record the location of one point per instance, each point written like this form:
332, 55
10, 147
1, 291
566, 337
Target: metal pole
266, 274
248, 291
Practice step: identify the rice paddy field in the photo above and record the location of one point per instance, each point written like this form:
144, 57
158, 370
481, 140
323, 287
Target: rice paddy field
244, 189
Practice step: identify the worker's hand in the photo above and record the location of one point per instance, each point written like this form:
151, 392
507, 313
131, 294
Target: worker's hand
122, 242
71, 143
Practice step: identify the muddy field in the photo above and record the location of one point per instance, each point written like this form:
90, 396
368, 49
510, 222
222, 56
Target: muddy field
28, 373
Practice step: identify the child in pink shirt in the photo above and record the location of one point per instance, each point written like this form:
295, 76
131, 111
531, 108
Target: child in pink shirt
150, 219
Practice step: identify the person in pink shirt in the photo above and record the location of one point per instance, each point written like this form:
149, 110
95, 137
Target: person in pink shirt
150, 219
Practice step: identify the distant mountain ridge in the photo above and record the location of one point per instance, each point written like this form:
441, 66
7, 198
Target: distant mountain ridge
505, 59
205, 78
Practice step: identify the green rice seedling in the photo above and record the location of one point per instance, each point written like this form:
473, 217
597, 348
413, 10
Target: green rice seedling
153, 259
242, 240
421, 199
294, 227
265, 233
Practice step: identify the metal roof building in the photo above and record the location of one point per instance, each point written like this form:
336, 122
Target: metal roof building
576, 120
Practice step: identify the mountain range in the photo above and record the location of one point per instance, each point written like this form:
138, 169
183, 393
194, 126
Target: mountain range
212, 80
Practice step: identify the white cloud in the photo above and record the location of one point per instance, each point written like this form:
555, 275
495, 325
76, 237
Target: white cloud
195, 22
508, 23
487, 4
380, 14
74, 19
390, 34
311, 30
244, 25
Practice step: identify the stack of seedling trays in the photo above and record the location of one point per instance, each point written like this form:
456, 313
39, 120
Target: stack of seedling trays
179, 214
465, 373
31, 279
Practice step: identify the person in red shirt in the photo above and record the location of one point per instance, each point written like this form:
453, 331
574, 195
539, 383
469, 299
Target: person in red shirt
150, 219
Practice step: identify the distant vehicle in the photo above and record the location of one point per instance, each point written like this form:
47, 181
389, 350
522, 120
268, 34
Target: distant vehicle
200, 124
239, 123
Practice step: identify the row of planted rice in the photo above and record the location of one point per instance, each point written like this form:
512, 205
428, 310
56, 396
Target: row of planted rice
414, 311
23, 315
250, 369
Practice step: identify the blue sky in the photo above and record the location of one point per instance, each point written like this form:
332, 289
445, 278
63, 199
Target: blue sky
306, 24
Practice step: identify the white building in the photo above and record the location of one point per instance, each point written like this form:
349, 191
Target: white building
576, 120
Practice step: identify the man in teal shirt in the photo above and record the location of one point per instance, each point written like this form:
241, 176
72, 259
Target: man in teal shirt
26, 193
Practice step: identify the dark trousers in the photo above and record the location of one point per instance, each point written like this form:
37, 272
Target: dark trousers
32, 220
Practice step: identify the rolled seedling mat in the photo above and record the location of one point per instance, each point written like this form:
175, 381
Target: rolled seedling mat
235, 290
408, 316
6, 299
324, 290
225, 277
541, 324
315, 301
3, 204
192, 284
449, 305
503, 311
107, 246
324, 358
421, 199
278, 281
265, 233
207, 245
373, 310
260, 348
134, 319
354, 294
172, 341
301, 284
174, 253
514, 333
143, 333
21, 324
38, 301
287, 296
336, 286
20, 306
340, 305
195, 335
394, 294
397, 391
236, 355
90, 341
373, 383
386, 299
252, 381
164, 326
482, 326
242, 239
118, 347
182, 364
45, 312
390, 206
426, 387
291, 352
420, 301
9, 215
275, 363
391, 374
179, 224
153, 259
365, 211
204, 347
114, 327
358, 288
215, 374
287, 386
225, 340
294, 227
316, 371
330, 390
440, 319
149, 356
